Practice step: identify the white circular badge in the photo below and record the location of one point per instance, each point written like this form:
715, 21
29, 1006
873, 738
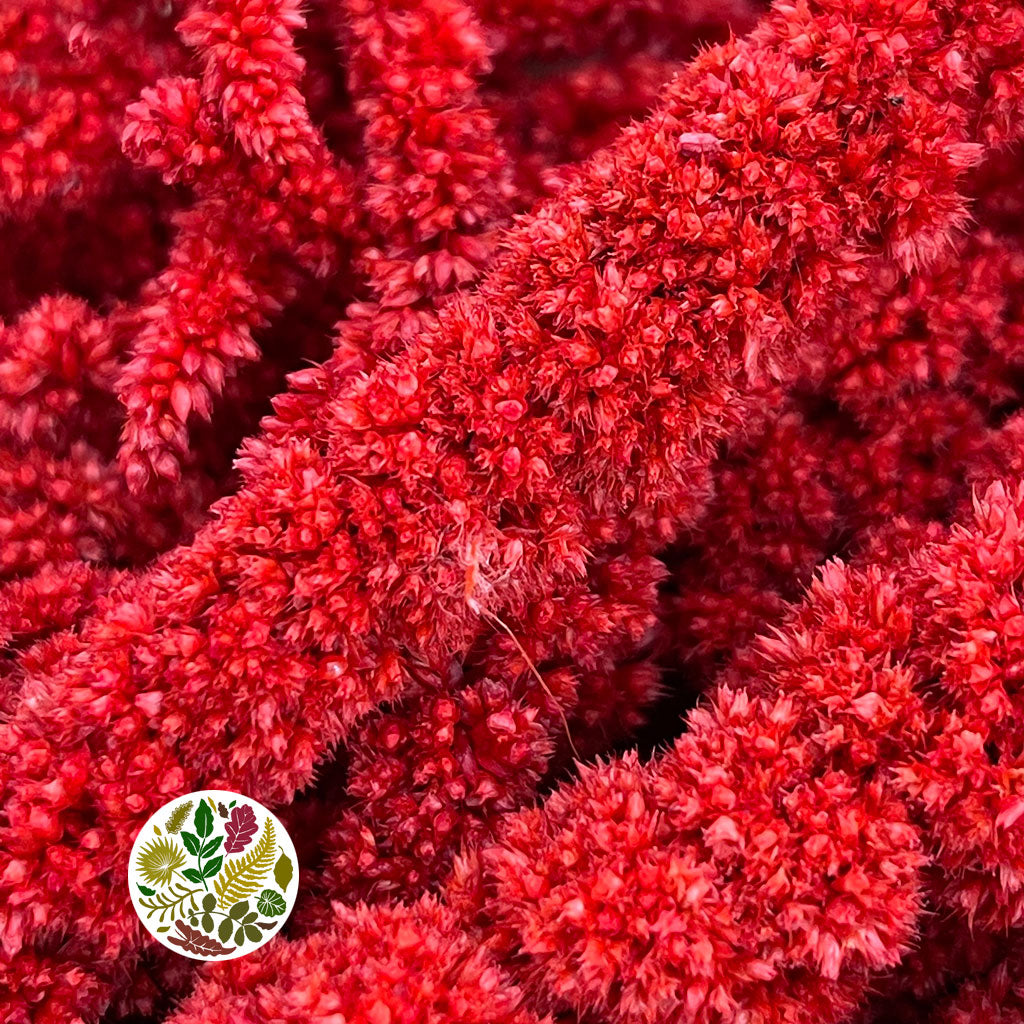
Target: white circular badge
213, 875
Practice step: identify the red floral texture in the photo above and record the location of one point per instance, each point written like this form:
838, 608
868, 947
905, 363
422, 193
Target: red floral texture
443, 552
271, 202
69, 68
442, 975
896, 420
845, 767
908, 368
778, 857
426, 777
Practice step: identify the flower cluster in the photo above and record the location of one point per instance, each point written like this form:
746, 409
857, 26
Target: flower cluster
824, 791
400, 963
570, 413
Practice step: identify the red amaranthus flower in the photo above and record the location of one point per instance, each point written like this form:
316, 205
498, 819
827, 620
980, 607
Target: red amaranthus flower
823, 789
69, 67
445, 543
376, 965
272, 201
895, 415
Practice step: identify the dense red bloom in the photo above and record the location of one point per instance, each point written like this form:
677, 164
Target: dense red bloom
410, 964
895, 415
435, 170
248, 621
784, 501
70, 67
811, 799
275, 203
777, 318
437, 771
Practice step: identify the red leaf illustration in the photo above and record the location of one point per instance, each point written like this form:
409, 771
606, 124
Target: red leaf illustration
194, 941
241, 827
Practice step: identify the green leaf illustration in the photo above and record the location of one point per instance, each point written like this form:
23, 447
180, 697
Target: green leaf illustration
206, 923
165, 928
249, 918
210, 868
192, 875
239, 936
211, 847
283, 872
146, 891
203, 820
177, 818
224, 931
239, 910
173, 900
209, 902
192, 843
252, 934
159, 859
243, 876
271, 903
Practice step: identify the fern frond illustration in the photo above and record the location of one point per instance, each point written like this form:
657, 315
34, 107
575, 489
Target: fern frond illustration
243, 876
177, 817
159, 859
173, 901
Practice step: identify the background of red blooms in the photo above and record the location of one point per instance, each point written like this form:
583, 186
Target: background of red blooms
409, 410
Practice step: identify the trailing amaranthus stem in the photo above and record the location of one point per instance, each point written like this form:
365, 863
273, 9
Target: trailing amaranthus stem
779, 854
264, 216
435, 172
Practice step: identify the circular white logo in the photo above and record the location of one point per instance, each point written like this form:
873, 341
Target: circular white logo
213, 875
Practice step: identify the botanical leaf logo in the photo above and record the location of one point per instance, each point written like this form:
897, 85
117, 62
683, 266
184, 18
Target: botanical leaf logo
211, 875
240, 829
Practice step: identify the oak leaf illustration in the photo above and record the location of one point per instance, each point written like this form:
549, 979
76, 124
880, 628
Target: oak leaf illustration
194, 941
240, 829
244, 876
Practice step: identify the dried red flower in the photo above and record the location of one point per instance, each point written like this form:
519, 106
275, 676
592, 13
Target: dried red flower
385, 964
447, 544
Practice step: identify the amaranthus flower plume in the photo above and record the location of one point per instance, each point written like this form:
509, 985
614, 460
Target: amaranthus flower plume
564, 457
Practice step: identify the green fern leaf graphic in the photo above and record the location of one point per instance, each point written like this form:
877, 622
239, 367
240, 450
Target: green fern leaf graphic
243, 876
